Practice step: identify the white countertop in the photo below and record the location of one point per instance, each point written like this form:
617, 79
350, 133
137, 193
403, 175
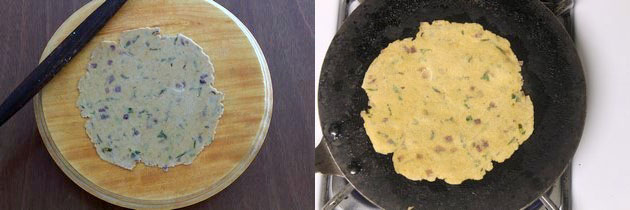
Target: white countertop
601, 172
601, 167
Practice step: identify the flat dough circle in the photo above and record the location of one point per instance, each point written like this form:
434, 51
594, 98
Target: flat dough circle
447, 103
149, 98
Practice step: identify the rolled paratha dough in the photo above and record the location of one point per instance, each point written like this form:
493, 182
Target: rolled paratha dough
149, 98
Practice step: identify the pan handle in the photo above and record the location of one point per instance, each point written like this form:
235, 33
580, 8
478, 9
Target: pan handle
335, 200
324, 162
549, 205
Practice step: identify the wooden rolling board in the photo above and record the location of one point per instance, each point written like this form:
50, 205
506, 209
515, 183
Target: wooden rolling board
241, 73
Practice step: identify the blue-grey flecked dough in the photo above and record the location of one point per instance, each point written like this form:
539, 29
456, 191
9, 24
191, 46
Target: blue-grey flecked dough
149, 98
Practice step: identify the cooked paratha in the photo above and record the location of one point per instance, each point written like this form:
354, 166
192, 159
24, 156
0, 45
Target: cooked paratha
447, 103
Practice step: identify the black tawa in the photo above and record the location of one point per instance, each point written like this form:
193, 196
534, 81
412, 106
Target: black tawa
552, 75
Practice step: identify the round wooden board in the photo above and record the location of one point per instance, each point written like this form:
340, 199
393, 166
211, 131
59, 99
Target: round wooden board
241, 73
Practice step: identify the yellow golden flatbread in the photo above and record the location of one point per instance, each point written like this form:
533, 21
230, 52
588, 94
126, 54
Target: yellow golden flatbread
447, 103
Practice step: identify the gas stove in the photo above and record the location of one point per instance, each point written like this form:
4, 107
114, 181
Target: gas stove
335, 193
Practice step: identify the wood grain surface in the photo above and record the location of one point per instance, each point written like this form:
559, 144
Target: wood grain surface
241, 74
279, 178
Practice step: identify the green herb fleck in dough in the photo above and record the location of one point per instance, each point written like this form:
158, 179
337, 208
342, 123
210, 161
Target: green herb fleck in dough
501, 50
512, 140
521, 129
395, 88
162, 135
485, 76
516, 98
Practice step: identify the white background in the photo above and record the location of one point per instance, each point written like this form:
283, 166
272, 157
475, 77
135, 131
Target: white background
601, 167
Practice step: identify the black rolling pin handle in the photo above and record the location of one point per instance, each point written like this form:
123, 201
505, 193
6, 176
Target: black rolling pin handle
59, 57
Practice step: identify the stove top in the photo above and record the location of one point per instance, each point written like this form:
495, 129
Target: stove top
337, 194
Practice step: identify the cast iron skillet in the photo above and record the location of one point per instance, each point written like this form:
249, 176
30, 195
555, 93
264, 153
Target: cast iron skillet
552, 76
